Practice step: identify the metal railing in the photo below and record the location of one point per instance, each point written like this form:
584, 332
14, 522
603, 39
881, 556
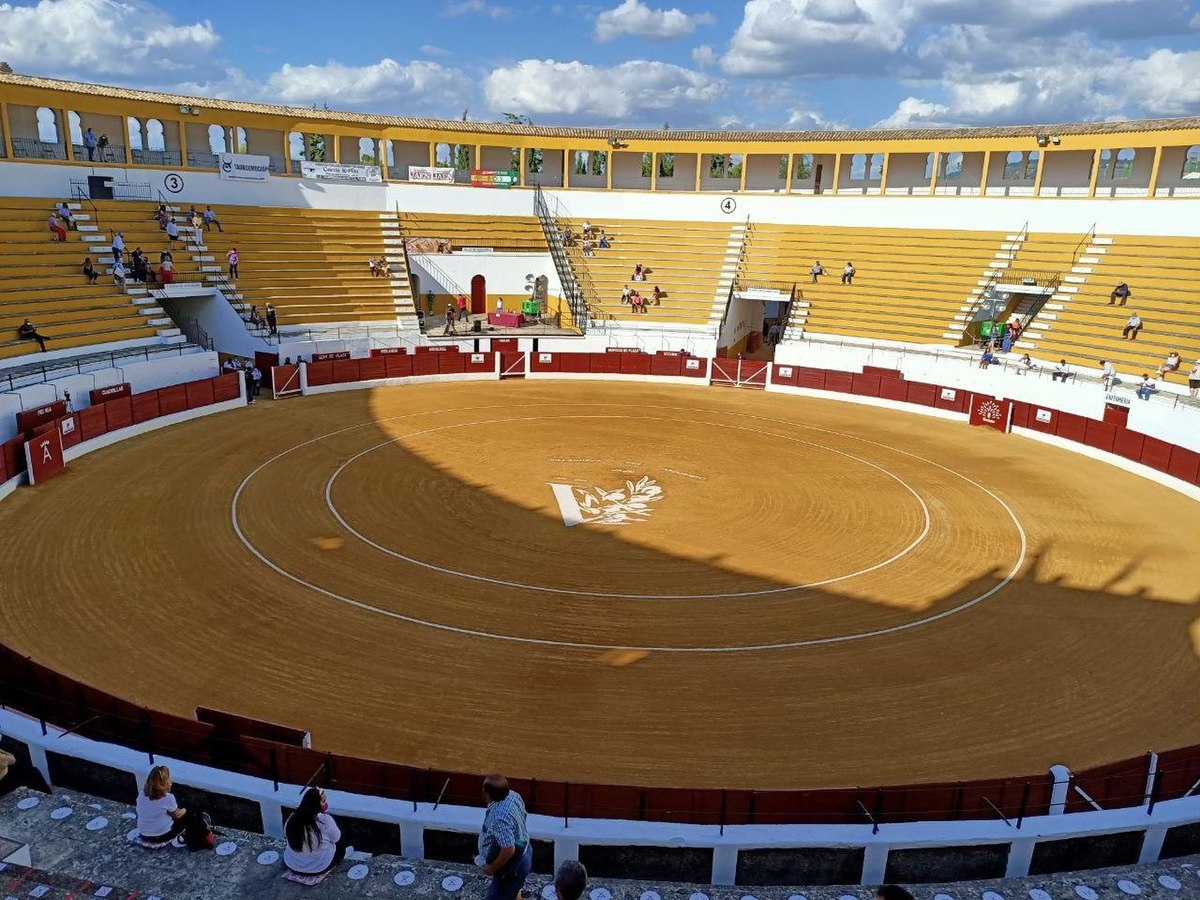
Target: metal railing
1083, 243
25, 376
990, 285
195, 334
84, 197
122, 190
741, 259
582, 298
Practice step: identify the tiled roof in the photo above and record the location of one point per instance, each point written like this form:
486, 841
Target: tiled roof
453, 125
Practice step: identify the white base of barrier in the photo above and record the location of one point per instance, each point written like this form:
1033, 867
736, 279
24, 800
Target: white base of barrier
309, 389
7, 487
115, 437
616, 376
896, 405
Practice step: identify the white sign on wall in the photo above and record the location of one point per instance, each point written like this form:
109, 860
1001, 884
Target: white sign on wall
1043, 416
948, 394
338, 172
243, 167
1117, 399
435, 174
545, 357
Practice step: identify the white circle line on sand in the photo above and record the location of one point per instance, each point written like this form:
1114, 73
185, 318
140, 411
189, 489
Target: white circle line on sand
927, 524
471, 632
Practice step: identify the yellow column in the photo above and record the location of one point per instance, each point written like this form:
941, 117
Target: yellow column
791, 167
937, 158
433, 155
64, 125
337, 149
478, 156
1094, 177
568, 167
608, 164
699, 161
522, 164
128, 142
887, 157
287, 153
987, 168
183, 151
1037, 179
745, 166
837, 172
8, 146
1153, 188
654, 171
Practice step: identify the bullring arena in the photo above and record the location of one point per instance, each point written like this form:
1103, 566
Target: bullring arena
557, 453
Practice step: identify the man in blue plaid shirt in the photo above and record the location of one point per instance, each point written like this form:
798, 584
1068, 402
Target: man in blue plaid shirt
505, 851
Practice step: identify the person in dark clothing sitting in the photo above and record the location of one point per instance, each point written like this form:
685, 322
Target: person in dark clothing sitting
28, 332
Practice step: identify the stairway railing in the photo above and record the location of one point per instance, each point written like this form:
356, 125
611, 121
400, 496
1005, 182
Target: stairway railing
581, 293
989, 286
1083, 243
444, 278
797, 294
737, 274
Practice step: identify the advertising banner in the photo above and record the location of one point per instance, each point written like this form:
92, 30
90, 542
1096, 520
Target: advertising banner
991, 412
338, 172
243, 167
488, 178
431, 174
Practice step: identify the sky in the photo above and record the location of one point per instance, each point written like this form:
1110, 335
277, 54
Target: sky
711, 64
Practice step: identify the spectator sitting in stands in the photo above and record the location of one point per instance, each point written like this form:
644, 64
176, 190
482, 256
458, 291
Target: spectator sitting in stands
587, 247
1146, 387
56, 229
570, 880
210, 219
1194, 381
1120, 292
89, 271
1107, 374
604, 245
638, 302
385, 269
197, 222
1170, 364
848, 274
159, 818
1061, 372
1025, 364
587, 228
626, 294
568, 237
256, 318
118, 274
1132, 326
988, 357
658, 295
164, 256
64, 213
816, 270
373, 265
314, 843
27, 331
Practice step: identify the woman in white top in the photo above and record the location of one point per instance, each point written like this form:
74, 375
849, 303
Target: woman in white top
159, 817
1194, 380
314, 842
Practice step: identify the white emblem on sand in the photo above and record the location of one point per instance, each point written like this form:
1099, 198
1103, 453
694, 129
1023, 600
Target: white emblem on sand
623, 506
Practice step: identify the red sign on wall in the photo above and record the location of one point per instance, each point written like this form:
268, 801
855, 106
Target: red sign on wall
112, 392
44, 456
991, 412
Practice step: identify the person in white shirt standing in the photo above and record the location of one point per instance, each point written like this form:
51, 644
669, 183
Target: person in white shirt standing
159, 817
314, 841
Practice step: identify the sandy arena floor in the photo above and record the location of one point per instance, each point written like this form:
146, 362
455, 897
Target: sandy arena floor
760, 591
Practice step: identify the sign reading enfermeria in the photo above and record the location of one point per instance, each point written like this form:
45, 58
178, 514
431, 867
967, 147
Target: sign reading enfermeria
243, 167
338, 172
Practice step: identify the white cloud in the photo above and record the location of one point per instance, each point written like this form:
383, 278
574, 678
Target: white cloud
622, 92
636, 19
704, 55
434, 50
476, 8
385, 86
103, 38
913, 112
811, 120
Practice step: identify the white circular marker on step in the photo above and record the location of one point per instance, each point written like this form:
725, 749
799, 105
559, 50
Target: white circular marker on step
357, 873
1170, 882
95, 806
405, 877
226, 848
97, 823
1086, 893
28, 802
61, 813
600, 894
1039, 894
650, 895
698, 896
452, 883
991, 895
132, 835
797, 897
942, 897
749, 897
128, 815
1125, 886
268, 858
